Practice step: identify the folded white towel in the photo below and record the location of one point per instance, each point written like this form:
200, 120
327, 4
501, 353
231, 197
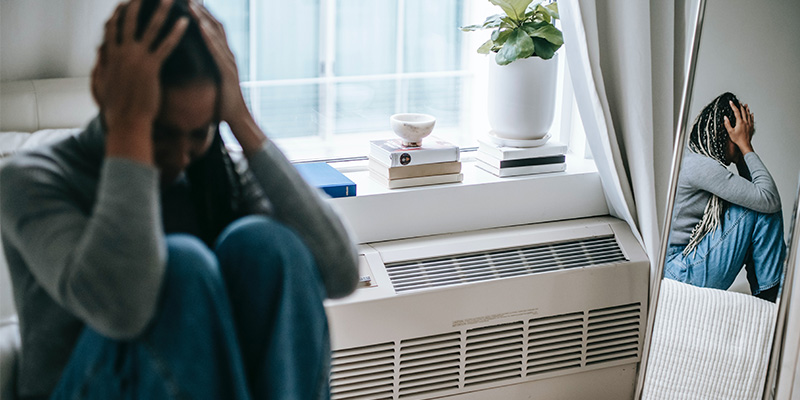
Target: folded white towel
708, 344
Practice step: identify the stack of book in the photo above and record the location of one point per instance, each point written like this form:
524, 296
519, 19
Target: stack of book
396, 166
512, 161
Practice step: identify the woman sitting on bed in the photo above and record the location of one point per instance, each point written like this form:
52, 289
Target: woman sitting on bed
723, 221
147, 263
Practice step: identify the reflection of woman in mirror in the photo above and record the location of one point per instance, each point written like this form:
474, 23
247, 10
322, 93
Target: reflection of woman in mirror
723, 221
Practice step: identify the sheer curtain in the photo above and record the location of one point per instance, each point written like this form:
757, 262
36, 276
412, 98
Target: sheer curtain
626, 63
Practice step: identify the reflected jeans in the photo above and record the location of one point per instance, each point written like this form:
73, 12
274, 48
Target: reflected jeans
746, 237
243, 321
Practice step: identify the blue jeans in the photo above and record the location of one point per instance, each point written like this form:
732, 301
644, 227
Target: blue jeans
243, 321
747, 238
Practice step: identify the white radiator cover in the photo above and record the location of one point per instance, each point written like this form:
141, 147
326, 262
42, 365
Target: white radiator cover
560, 315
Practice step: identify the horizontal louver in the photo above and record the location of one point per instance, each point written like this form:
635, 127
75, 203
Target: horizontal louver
467, 268
613, 334
429, 365
555, 343
494, 353
444, 364
364, 373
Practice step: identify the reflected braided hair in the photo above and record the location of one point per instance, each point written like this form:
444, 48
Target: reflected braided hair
710, 138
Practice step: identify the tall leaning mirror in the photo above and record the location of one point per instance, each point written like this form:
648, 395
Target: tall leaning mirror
734, 181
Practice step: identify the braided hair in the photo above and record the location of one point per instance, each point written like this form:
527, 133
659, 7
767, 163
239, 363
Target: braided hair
709, 138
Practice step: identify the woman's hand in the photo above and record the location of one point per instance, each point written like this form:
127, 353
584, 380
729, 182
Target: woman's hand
232, 104
233, 108
125, 78
742, 134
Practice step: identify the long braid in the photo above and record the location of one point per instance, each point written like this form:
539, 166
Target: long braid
710, 138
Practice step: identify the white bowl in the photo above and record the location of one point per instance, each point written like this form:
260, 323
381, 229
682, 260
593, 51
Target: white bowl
412, 127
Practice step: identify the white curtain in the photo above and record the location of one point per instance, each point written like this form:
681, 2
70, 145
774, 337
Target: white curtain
622, 60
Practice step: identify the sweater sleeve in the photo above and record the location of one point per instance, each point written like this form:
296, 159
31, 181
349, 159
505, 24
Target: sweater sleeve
759, 194
301, 207
106, 267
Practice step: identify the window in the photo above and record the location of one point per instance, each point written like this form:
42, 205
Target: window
322, 77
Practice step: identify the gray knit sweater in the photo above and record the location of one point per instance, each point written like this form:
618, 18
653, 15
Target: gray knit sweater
84, 243
701, 176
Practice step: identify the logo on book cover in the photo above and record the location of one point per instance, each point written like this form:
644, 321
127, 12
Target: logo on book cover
405, 158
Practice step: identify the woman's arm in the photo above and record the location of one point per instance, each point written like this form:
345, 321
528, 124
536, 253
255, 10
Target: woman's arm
294, 202
760, 194
103, 262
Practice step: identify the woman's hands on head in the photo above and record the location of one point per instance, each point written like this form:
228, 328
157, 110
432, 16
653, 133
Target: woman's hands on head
742, 134
232, 108
125, 81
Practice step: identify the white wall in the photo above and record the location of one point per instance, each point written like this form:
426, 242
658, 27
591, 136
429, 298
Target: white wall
50, 38
752, 51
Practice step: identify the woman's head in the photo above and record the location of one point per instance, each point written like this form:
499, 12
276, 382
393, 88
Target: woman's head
709, 136
186, 123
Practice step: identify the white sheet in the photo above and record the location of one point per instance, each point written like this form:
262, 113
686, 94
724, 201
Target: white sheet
708, 344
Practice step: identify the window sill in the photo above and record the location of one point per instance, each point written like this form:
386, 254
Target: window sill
481, 201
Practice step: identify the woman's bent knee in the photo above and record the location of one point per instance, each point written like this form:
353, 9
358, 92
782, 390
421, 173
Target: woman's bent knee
259, 240
189, 261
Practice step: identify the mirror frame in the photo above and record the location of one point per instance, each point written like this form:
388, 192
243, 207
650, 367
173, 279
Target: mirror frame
677, 157
775, 357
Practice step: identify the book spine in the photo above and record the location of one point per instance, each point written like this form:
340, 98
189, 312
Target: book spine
340, 191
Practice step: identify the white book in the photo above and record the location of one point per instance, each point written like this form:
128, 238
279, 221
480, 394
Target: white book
418, 181
392, 153
520, 162
529, 170
550, 148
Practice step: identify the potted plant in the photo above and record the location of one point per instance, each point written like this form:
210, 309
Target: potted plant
522, 80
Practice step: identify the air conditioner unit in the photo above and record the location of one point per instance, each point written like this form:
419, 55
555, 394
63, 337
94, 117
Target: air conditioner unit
545, 311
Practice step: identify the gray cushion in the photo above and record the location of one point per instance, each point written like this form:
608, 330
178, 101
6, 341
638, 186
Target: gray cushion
9, 352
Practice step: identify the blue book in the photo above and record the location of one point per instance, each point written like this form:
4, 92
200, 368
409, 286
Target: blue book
327, 178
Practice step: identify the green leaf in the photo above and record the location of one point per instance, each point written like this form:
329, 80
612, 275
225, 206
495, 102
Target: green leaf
493, 21
513, 8
549, 33
531, 27
545, 49
486, 47
470, 28
553, 8
508, 22
542, 13
501, 37
518, 45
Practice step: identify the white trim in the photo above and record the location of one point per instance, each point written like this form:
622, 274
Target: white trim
482, 201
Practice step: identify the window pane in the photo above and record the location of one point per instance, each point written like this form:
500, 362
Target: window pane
286, 111
364, 106
440, 97
366, 37
432, 38
234, 15
286, 38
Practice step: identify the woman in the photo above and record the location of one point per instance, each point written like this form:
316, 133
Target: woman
722, 221
146, 263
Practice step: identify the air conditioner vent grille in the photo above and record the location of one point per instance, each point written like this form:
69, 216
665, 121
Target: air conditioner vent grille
485, 356
555, 343
494, 353
613, 333
521, 261
364, 373
429, 364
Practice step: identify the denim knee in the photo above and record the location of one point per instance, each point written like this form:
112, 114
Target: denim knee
257, 245
191, 265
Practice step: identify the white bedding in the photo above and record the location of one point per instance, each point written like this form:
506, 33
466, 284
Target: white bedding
708, 344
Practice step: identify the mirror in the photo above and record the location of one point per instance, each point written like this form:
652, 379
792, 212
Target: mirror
726, 228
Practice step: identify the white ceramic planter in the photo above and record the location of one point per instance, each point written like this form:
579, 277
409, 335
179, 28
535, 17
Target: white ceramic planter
522, 97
